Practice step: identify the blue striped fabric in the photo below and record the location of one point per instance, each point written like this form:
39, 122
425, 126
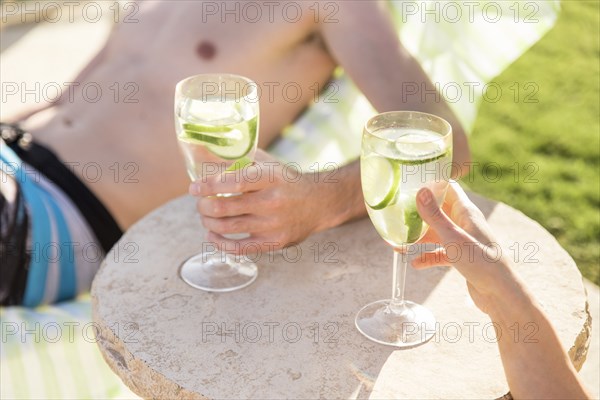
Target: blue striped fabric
52, 271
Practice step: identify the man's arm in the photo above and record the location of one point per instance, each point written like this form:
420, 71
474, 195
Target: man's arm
364, 42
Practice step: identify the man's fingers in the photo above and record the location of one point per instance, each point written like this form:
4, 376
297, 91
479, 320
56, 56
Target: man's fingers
436, 258
239, 224
219, 206
251, 178
431, 213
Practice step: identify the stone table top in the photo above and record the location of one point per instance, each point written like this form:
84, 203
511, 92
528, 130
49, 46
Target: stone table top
291, 333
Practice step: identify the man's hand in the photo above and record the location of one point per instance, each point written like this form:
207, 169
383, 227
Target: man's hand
277, 205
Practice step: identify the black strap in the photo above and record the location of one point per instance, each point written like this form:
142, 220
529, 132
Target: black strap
46, 162
14, 226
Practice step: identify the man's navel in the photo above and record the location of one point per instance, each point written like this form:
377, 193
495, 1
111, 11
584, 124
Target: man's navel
206, 50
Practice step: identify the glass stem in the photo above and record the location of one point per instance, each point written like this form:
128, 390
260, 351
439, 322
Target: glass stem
398, 279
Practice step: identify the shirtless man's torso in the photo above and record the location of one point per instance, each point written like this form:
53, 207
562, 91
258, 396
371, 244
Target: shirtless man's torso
170, 43
133, 144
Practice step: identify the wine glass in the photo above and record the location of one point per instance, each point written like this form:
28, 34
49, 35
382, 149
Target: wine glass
216, 121
402, 152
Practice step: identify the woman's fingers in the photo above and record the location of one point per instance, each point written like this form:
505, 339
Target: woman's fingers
447, 231
431, 236
436, 258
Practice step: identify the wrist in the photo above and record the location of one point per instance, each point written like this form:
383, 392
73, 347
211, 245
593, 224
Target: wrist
511, 302
326, 203
338, 196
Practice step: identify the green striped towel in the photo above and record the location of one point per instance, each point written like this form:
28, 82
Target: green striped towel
328, 132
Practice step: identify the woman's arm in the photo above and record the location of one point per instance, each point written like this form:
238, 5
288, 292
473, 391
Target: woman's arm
536, 368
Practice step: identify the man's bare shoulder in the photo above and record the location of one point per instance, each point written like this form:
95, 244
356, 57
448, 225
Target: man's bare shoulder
363, 14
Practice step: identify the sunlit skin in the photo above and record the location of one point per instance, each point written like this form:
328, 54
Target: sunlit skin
535, 369
134, 142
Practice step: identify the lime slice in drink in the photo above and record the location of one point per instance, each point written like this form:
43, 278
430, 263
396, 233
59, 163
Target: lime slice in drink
380, 179
412, 220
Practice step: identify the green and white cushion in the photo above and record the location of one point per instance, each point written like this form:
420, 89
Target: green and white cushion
50, 353
461, 53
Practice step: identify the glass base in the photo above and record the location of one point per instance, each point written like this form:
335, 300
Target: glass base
405, 325
218, 272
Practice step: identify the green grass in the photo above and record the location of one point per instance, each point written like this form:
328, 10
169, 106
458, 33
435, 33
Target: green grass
560, 135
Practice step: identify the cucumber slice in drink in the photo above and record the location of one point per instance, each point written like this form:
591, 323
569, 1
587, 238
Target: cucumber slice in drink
205, 134
394, 224
239, 164
403, 224
202, 138
242, 146
422, 161
413, 221
380, 179
188, 127
414, 148
230, 142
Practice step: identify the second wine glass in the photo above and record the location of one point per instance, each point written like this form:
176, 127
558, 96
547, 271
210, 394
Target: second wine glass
402, 152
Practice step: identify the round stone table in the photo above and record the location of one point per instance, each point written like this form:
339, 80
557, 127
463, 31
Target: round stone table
291, 333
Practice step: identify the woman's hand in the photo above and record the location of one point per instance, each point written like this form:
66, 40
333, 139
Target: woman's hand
460, 224
539, 369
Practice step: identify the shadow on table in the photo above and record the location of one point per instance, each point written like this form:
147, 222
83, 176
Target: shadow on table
378, 256
486, 206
